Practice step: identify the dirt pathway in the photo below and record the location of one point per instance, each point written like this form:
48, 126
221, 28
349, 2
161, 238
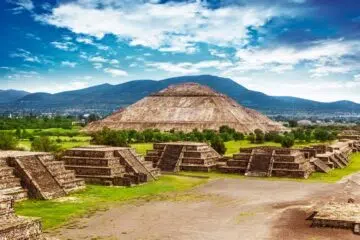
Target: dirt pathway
223, 209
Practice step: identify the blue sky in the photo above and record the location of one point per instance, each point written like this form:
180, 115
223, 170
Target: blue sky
303, 48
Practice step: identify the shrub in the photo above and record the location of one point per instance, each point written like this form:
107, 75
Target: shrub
259, 136
44, 144
8, 141
218, 144
288, 141
251, 138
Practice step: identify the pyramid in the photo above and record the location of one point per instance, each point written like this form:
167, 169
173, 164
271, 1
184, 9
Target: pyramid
185, 107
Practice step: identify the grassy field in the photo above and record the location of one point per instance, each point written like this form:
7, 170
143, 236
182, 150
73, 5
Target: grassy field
55, 213
66, 142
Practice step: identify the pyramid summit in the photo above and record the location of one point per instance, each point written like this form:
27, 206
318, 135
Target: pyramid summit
184, 107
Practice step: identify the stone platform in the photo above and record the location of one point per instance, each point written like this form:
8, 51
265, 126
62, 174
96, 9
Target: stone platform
267, 162
35, 174
13, 227
109, 165
186, 156
338, 215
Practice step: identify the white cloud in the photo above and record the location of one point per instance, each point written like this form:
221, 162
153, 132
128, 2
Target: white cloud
321, 58
189, 68
66, 46
97, 65
116, 72
218, 53
98, 59
32, 36
168, 27
68, 64
89, 41
85, 40
21, 5
25, 55
114, 62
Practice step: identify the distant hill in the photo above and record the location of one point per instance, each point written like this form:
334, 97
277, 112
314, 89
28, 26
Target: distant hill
7, 96
106, 98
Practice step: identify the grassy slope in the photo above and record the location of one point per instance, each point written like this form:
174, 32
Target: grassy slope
55, 213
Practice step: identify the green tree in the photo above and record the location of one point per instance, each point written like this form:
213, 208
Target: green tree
218, 145
251, 138
8, 141
288, 141
259, 136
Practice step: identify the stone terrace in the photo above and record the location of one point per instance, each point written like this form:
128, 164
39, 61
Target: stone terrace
338, 215
187, 156
109, 165
269, 161
35, 174
13, 227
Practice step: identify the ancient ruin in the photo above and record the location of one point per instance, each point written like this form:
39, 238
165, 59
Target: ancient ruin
188, 156
36, 175
283, 162
338, 215
350, 134
185, 107
269, 161
109, 165
14, 227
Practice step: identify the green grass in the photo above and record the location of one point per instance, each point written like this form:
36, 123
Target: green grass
65, 144
55, 213
337, 174
141, 148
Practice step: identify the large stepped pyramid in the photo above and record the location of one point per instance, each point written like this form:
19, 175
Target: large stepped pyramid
14, 227
269, 161
187, 156
109, 165
35, 174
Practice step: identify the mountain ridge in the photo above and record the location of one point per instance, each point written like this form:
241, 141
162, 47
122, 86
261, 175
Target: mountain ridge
107, 97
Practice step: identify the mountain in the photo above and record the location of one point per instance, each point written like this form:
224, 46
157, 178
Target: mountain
7, 96
106, 98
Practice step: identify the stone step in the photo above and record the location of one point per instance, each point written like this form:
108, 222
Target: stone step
73, 185
18, 193
290, 173
94, 170
197, 167
10, 182
6, 172
229, 169
55, 166
321, 166
21, 228
239, 163
105, 162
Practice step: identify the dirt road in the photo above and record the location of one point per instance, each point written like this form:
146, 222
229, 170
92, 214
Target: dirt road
222, 209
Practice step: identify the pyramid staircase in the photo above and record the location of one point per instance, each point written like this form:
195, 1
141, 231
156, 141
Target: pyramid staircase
267, 162
44, 177
136, 167
105, 165
14, 227
171, 158
185, 156
10, 185
320, 166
